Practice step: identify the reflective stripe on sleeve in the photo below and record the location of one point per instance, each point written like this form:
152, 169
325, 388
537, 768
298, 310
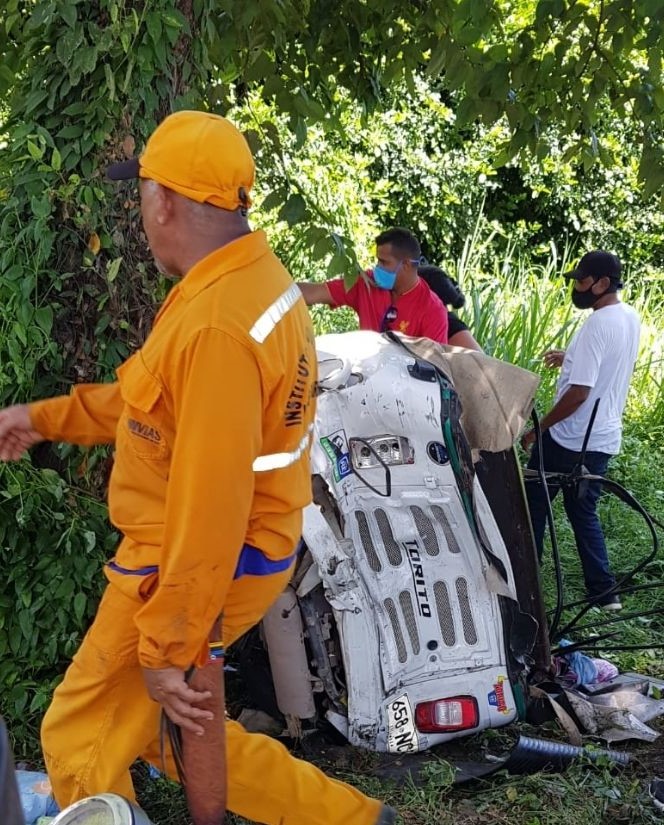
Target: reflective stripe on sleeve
274, 313
278, 461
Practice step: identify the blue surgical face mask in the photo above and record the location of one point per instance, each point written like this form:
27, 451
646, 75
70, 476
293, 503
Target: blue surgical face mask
383, 278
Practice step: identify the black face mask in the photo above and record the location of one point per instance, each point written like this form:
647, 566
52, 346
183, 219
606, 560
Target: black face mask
588, 299
584, 300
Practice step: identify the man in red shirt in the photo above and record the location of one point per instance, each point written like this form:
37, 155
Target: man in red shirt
392, 295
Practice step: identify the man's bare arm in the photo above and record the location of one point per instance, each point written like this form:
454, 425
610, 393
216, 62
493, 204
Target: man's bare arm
316, 293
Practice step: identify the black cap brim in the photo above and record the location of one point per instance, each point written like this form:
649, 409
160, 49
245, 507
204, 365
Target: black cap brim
124, 170
575, 275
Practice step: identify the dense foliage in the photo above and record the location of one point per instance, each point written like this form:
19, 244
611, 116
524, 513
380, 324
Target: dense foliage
91, 81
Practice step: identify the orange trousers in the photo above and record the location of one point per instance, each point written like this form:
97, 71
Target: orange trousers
101, 719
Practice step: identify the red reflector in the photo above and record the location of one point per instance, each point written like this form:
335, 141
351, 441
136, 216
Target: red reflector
444, 715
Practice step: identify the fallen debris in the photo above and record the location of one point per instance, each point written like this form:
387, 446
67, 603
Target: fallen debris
617, 715
528, 756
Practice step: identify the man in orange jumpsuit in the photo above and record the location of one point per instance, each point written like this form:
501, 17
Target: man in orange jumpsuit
211, 421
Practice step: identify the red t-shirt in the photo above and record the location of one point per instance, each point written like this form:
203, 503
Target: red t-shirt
420, 312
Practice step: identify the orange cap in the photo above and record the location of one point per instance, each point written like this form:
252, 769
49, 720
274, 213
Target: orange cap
198, 155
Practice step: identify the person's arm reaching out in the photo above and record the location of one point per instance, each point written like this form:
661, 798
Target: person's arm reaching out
89, 415
315, 294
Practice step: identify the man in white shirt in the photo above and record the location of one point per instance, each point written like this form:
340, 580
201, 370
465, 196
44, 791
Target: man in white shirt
597, 365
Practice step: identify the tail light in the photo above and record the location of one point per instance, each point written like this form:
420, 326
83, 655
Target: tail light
445, 715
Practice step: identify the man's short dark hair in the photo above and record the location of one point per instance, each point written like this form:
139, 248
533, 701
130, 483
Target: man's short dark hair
402, 241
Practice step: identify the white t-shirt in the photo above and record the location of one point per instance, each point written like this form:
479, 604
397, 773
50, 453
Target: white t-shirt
601, 356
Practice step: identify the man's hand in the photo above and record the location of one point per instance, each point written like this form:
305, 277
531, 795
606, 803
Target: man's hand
16, 432
554, 357
169, 688
527, 440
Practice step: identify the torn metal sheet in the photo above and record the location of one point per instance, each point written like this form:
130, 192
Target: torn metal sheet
643, 707
616, 720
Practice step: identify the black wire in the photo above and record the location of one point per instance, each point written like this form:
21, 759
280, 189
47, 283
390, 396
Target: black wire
586, 437
557, 564
172, 731
623, 590
657, 521
624, 495
555, 552
388, 475
624, 617
617, 648
584, 643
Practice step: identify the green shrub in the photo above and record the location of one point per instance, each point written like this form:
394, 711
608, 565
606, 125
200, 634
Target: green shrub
51, 554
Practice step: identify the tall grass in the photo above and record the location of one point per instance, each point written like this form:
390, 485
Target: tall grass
518, 310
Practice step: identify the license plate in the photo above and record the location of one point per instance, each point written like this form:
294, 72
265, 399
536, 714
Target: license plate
401, 730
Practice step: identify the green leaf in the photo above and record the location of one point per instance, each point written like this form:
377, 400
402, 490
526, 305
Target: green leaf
87, 59
39, 701
79, 605
468, 35
56, 160
294, 210
70, 132
68, 12
481, 14
67, 45
437, 59
468, 110
36, 152
25, 623
110, 81
41, 207
15, 638
112, 269
76, 108
44, 319
20, 698
338, 265
153, 23
273, 200
19, 332
300, 132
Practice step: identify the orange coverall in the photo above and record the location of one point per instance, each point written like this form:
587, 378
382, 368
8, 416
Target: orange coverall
212, 421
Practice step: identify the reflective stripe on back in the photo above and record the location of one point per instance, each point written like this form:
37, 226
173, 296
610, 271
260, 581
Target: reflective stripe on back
274, 313
278, 461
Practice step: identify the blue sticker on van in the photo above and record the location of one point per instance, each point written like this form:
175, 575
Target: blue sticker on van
336, 448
